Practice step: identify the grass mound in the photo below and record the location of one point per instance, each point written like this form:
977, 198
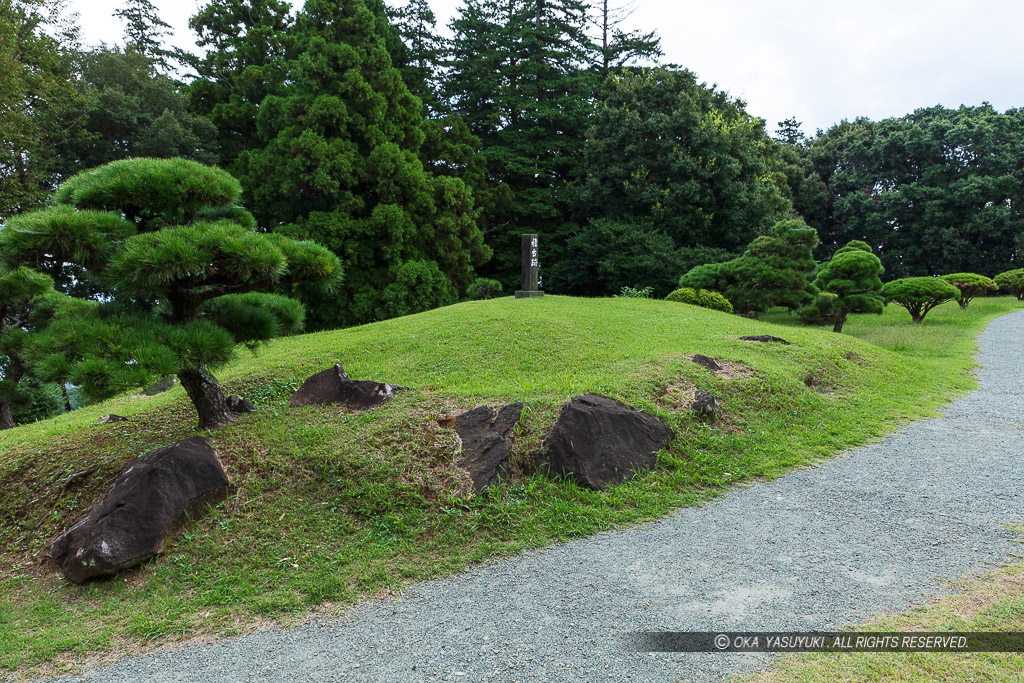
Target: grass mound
328, 506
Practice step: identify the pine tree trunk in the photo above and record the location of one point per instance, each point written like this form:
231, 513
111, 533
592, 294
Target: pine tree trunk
840, 321
67, 399
14, 373
963, 303
207, 397
6, 418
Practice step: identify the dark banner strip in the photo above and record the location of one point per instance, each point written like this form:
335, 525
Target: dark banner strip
816, 641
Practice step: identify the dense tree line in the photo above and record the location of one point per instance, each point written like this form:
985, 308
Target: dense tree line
933, 192
419, 160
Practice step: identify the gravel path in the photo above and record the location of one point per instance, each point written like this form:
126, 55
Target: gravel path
817, 549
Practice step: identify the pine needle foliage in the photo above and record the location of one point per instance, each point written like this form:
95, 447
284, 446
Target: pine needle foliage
849, 283
971, 285
919, 295
1011, 282
774, 271
181, 266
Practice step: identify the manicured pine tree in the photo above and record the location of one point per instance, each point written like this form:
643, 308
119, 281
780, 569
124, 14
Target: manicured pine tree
919, 295
1011, 282
774, 271
184, 265
340, 165
971, 285
849, 283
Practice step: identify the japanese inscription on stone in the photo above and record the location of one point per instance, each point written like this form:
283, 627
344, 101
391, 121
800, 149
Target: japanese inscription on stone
531, 267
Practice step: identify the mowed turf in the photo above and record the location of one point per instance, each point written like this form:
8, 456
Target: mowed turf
329, 506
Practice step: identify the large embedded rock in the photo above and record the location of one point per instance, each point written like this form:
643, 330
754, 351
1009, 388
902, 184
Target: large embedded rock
239, 404
159, 387
485, 435
600, 441
144, 507
333, 387
706, 361
764, 338
704, 403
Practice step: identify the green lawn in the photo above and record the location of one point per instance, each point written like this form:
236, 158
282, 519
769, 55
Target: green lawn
329, 506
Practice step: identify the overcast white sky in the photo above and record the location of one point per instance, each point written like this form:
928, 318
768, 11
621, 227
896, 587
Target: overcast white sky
821, 61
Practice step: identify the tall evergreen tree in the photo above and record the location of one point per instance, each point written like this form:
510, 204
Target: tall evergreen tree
339, 164
617, 47
245, 59
40, 107
519, 78
421, 53
682, 157
136, 111
145, 32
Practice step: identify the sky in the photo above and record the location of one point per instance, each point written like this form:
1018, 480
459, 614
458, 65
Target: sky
821, 61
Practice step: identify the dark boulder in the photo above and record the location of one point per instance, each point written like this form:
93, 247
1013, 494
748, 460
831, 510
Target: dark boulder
333, 387
600, 441
159, 387
106, 419
144, 507
485, 435
764, 338
706, 361
237, 404
704, 403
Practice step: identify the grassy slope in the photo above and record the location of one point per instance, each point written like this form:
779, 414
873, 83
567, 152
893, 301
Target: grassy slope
330, 506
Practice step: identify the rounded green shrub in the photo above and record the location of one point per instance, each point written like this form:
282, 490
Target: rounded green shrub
970, 285
1011, 282
705, 298
919, 294
483, 288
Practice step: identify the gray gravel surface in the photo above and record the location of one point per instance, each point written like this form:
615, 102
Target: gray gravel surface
873, 530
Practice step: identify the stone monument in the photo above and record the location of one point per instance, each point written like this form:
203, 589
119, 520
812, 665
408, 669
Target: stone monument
531, 264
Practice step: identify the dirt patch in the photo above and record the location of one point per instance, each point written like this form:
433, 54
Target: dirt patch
823, 380
731, 369
986, 591
677, 396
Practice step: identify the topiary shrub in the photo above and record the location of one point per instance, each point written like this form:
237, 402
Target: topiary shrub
483, 288
849, 283
821, 311
1011, 282
970, 285
774, 271
705, 298
182, 264
919, 294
